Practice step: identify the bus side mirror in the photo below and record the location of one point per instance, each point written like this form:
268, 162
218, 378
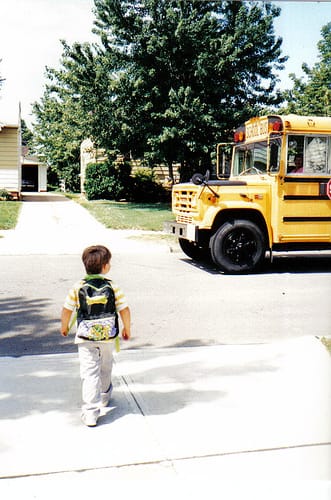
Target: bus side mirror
199, 179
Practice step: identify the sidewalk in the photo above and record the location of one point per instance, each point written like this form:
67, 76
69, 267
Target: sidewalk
234, 414
252, 412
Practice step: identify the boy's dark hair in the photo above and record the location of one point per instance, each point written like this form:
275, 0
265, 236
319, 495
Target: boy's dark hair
94, 258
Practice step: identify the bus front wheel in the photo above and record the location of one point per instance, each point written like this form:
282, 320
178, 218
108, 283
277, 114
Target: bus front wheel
238, 247
192, 249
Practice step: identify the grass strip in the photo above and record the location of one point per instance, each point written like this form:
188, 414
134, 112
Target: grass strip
9, 212
125, 215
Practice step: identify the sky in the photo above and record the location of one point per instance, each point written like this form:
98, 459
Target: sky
31, 30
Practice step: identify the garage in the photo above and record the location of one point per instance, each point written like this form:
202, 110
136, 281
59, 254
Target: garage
30, 178
34, 175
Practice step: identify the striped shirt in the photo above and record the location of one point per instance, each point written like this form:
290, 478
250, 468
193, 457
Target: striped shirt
72, 301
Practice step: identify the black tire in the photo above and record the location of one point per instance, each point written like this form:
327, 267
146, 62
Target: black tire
193, 250
238, 247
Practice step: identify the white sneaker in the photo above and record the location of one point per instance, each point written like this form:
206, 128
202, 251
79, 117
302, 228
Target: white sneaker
89, 420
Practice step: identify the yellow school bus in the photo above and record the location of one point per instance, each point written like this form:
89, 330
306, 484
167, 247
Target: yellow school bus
271, 192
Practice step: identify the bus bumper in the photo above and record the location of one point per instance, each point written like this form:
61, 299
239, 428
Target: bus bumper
185, 231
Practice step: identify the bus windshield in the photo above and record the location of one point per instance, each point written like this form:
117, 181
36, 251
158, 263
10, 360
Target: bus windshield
250, 159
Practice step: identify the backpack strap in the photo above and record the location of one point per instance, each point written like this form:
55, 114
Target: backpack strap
90, 277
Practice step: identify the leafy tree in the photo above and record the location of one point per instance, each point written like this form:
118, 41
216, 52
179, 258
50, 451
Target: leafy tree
59, 130
168, 80
311, 95
27, 135
191, 71
75, 105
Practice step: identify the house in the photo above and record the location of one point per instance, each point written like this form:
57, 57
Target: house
90, 154
10, 159
19, 171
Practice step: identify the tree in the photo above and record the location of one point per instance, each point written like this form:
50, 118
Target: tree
27, 135
59, 130
311, 95
168, 80
191, 71
74, 106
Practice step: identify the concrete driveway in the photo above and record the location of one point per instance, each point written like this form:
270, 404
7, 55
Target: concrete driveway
54, 225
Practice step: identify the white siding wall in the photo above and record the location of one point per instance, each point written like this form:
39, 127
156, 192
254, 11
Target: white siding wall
9, 179
10, 168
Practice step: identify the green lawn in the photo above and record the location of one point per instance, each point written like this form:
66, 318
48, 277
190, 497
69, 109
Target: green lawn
122, 215
9, 211
114, 215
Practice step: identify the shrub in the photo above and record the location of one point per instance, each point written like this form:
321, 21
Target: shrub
70, 174
107, 181
5, 195
111, 180
145, 188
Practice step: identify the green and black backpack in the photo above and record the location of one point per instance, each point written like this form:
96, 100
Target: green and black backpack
97, 318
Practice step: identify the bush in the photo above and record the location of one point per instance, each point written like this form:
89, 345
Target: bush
145, 188
70, 175
5, 195
107, 181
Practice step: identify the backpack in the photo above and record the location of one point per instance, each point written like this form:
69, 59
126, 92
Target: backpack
97, 318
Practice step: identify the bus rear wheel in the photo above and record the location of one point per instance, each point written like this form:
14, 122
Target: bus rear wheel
238, 247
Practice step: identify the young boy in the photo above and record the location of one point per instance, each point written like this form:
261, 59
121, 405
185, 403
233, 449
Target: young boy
95, 356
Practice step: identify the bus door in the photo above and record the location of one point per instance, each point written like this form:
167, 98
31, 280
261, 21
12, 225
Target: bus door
304, 207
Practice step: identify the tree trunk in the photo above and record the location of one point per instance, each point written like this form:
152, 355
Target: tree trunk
169, 161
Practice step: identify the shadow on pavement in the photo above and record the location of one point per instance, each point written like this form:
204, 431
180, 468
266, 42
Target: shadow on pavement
41, 197
25, 329
302, 264
281, 264
45, 385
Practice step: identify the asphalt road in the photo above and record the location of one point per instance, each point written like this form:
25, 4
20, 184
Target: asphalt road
174, 302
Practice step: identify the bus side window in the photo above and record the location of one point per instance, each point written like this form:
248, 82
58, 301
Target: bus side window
249, 159
295, 156
296, 165
274, 156
239, 160
316, 155
260, 154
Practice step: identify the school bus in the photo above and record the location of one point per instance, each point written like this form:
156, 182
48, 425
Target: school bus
271, 192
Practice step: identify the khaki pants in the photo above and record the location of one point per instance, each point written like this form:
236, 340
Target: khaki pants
96, 364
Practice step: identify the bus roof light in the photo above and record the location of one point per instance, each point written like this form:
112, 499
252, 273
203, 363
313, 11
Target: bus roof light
277, 126
239, 136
